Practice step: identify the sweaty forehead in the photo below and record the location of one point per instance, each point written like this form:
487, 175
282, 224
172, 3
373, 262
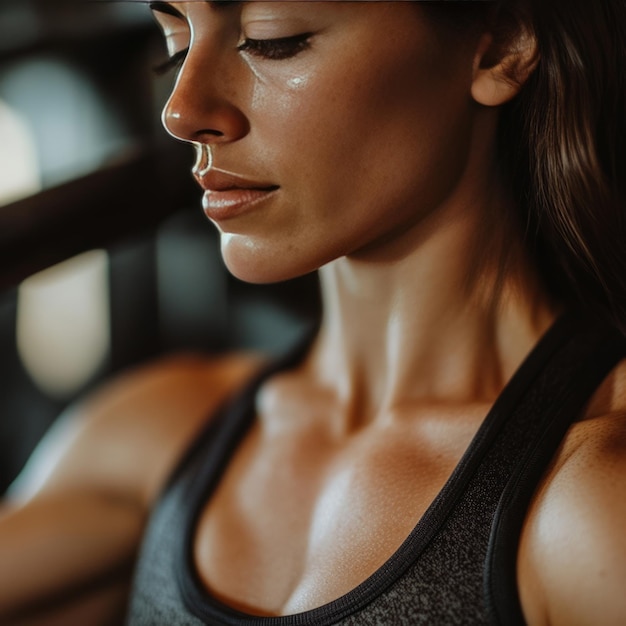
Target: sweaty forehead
231, 2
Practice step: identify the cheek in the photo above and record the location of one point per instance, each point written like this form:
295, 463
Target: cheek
384, 132
357, 154
408, 112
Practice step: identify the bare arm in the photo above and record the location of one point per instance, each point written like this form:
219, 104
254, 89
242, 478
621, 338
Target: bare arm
71, 526
62, 549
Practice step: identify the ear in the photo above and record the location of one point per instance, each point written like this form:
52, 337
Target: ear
500, 71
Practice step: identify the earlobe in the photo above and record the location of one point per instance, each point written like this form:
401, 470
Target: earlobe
500, 74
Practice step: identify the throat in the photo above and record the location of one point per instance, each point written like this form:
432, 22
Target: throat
398, 342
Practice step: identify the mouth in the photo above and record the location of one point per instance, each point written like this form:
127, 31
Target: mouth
228, 195
223, 204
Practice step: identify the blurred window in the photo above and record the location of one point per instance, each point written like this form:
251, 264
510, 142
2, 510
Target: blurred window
72, 128
19, 166
63, 325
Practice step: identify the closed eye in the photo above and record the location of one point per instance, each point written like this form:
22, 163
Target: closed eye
273, 49
175, 62
276, 49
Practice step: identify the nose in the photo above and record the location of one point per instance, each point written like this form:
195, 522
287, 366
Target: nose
203, 105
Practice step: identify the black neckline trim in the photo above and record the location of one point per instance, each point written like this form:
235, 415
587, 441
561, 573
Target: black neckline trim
577, 386
199, 601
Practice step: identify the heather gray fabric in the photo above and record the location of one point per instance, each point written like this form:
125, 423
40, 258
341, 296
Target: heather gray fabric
458, 564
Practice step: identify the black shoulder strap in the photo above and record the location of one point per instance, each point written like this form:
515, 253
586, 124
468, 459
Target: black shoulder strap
582, 364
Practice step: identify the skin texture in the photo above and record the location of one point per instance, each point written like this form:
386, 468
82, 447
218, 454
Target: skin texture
362, 166
381, 156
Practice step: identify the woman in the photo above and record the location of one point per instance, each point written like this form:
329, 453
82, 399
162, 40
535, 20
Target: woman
450, 446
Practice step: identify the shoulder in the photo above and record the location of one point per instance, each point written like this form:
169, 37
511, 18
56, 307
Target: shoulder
572, 559
126, 436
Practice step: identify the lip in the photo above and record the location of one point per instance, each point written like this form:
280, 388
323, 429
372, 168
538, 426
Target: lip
227, 195
229, 203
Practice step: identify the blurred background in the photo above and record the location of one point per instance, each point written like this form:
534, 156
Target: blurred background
106, 259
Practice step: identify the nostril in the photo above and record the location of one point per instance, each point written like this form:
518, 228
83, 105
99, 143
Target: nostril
206, 134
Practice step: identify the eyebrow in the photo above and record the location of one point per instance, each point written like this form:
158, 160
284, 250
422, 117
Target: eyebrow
164, 7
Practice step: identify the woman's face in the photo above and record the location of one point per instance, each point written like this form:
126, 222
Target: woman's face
334, 127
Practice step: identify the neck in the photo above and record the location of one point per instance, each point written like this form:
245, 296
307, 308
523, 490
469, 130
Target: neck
444, 313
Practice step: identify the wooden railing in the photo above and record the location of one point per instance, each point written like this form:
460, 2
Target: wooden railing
92, 212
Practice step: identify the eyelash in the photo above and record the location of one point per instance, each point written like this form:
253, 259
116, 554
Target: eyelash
271, 49
277, 49
175, 62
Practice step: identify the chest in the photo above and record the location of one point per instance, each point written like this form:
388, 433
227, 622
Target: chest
298, 520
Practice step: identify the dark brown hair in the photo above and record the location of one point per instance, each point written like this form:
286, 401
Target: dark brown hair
563, 143
564, 139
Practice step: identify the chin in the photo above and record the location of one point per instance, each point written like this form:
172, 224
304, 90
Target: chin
253, 263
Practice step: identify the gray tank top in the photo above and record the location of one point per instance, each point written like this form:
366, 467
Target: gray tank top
458, 564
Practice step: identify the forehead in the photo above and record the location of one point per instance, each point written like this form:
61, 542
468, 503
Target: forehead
226, 3
233, 2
